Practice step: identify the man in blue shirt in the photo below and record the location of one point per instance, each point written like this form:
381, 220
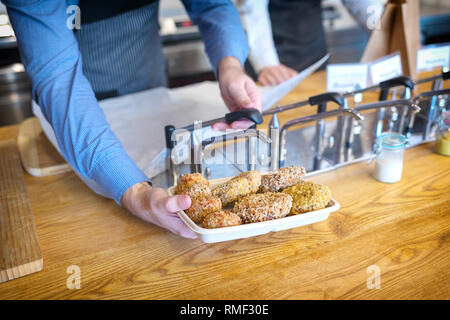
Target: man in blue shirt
117, 51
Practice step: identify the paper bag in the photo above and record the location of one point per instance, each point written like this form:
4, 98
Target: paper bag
398, 30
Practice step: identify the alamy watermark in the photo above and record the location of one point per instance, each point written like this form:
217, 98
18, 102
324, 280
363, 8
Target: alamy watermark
74, 280
374, 17
74, 19
231, 146
374, 279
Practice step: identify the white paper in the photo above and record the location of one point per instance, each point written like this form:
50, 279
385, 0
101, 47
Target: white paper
386, 68
433, 56
344, 77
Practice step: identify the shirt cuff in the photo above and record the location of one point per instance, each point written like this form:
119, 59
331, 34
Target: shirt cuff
117, 174
228, 49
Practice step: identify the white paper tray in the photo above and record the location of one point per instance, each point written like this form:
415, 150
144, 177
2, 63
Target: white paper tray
257, 228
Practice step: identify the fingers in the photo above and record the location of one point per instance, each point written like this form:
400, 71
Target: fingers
284, 74
220, 126
172, 221
164, 214
279, 75
157, 207
162, 202
289, 72
177, 226
236, 125
267, 79
239, 95
238, 92
247, 91
177, 203
241, 124
275, 75
254, 94
292, 73
255, 97
242, 94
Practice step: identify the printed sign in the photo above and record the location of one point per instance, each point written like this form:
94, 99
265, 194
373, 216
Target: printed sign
345, 77
433, 56
386, 68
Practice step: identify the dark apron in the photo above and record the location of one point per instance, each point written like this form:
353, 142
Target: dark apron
298, 32
120, 46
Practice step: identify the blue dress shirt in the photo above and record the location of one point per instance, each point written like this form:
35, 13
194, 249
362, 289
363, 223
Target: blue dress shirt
50, 54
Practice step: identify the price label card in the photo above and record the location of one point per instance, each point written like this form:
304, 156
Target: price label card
386, 68
433, 56
345, 77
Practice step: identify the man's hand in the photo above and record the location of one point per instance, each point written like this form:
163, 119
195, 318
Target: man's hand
238, 91
271, 76
154, 205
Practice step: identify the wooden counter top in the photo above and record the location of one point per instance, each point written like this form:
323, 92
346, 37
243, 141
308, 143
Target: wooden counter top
402, 228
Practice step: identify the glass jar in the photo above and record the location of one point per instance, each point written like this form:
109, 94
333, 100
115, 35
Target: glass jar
390, 147
442, 145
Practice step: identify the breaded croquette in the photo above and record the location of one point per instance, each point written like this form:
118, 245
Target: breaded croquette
282, 178
239, 186
202, 206
308, 196
263, 206
193, 185
221, 219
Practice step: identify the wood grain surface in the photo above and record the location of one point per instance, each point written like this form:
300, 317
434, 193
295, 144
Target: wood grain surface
403, 228
39, 157
20, 253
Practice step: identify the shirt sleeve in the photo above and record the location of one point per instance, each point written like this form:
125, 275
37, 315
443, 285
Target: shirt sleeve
220, 26
50, 54
256, 23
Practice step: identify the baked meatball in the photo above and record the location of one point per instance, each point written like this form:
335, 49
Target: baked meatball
221, 219
263, 206
308, 196
202, 206
282, 178
239, 186
193, 185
